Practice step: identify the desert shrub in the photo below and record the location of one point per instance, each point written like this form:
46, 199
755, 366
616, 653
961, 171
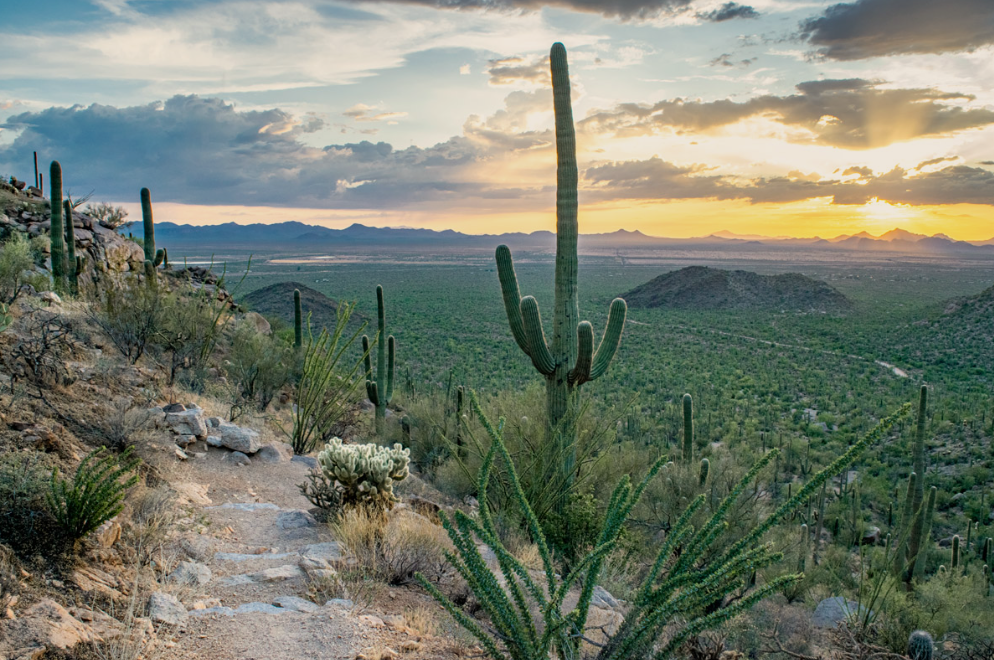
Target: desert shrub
327, 385
411, 545
45, 343
365, 474
94, 495
130, 316
359, 531
15, 259
324, 493
107, 214
682, 595
28, 525
124, 422
153, 511
258, 365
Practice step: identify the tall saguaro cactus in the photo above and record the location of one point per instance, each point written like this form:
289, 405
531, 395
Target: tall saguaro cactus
570, 359
72, 269
56, 233
379, 389
149, 225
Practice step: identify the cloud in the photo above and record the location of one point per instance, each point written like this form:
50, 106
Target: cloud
625, 9
657, 179
363, 112
852, 114
511, 70
876, 28
729, 11
725, 59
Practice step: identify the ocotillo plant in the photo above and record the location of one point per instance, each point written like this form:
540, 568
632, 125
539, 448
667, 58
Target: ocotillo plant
570, 360
56, 233
72, 270
298, 320
688, 428
379, 389
149, 224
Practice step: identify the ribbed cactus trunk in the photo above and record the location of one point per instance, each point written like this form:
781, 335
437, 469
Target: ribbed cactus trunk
570, 359
379, 389
57, 230
72, 267
688, 428
149, 225
915, 541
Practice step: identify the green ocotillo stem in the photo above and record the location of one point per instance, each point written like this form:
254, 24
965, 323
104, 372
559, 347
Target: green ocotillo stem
149, 225
688, 428
569, 359
298, 320
379, 389
72, 272
956, 552
918, 465
57, 231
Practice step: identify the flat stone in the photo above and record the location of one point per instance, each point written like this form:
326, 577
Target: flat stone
223, 611
247, 506
275, 453
296, 603
260, 608
330, 551
309, 461
238, 458
45, 624
275, 574
191, 573
174, 408
295, 519
237, 556
344, 603
165, 608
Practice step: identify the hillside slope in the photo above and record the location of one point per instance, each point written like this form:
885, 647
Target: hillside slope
700, 287
276, 300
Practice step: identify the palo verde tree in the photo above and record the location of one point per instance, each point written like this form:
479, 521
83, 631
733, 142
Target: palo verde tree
379, 389
570, 360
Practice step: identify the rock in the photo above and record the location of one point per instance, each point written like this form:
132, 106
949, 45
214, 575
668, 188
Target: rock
260, 608
188, 422
214, 441
371, 621
44, 625
191, 493
602, 598
296, 604
238, 458
394, 621
92, 580
275, 574
165, 608
237, 438
309, 461
257, 321
50, 297
107, 534
185, 441
426, 508
343, 603
278, 452
833, 611
102, 626
174, 408
367, 405
295, 519
871, 536
214, 422
191, 573
223, 611
180, 454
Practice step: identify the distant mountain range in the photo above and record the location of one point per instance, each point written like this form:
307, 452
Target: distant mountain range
700, 287
297, 235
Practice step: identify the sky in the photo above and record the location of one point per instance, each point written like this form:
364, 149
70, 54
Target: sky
773, 117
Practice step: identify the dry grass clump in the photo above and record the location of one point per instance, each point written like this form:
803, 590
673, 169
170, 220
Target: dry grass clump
422, 620
153, 512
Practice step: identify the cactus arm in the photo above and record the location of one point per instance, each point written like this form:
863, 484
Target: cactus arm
538, 349
365, 357
611, 339
390, 356
371, 392
512, 297
584, 354
148, 224
56, 233
160, 254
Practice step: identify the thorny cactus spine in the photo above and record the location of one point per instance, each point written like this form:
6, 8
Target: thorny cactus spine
379, 388
298, 321
366, 473
149, 225
920, 646
71, 265
688, 428
570, 360
57, 230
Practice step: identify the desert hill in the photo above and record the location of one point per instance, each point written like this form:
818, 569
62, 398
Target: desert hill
276, 300
700, 287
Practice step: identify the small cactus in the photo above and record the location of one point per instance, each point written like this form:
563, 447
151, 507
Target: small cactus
148, 224
920, 646
956, 552
705, 469
366, 473
688, 428
298, 321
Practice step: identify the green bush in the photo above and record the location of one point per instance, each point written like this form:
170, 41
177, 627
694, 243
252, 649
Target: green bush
28, 525
15, 259
258, 365
130, 316
94, 495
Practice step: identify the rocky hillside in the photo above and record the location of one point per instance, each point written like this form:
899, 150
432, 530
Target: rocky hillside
276, 301
700, 287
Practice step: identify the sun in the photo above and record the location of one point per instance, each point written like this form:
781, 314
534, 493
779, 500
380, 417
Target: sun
880, 213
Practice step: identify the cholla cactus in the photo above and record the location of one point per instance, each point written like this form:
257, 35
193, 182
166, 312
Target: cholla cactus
366, 473
920, 646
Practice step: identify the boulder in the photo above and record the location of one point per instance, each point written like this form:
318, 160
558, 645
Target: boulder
187, 422
237, 458
295, 519
191, 573
165, 608
257, 321
309, 461
45, 625
236, 438
277, 452
107, 534
296, 604
871, 536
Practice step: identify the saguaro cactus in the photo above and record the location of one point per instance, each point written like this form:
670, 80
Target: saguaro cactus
379, 389
705, 470
298, 328
57, 231
918, 465
149, 225
570, 360
956, 552
688, 428
72, 267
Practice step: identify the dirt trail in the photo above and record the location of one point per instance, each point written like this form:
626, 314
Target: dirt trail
258, 532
